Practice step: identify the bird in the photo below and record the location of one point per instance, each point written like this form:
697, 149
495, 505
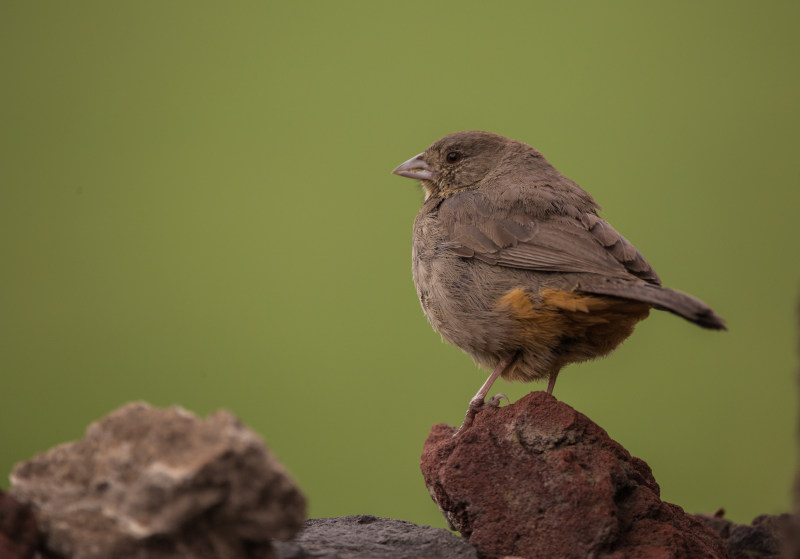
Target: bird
513, 264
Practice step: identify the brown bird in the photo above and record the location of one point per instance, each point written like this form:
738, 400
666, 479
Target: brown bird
513, 265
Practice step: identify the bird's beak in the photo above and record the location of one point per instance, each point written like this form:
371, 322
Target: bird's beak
416, 168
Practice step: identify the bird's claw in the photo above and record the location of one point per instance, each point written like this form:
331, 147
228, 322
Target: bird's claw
494, 401
476, 405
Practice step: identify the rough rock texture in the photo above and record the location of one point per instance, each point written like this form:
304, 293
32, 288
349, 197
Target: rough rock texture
538, 479
148, 482
768, 537
19, 534
370, 537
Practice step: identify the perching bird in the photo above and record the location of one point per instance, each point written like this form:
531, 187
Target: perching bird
513, 265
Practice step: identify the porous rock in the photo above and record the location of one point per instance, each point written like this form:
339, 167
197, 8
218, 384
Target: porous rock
538, 479
371, 537
155, 483
19, 533
767, 537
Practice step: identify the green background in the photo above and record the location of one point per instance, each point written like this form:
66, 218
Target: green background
196, 207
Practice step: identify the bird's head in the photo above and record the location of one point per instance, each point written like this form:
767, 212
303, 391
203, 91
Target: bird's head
459, 161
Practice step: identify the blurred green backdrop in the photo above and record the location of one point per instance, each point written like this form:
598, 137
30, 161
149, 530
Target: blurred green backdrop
196, 207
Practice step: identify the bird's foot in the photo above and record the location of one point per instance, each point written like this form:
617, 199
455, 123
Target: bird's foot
494, 401
476, 405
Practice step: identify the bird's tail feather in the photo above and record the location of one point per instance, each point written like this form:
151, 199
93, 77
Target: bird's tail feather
676, 302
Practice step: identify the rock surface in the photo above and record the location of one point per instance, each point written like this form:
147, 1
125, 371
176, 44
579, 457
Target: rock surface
157, 483
370, 537
538, 479
768, 537
19, 534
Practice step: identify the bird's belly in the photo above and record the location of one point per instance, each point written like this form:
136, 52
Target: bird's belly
459, 299
491, 312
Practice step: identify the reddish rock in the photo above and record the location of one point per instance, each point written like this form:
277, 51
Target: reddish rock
538, 479
19, 534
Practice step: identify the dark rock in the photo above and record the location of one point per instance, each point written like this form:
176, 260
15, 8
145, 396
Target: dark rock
768, 537
370, 537
19, 534
153, 483
538, 479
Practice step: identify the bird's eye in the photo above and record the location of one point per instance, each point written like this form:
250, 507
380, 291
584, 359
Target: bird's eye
453, 156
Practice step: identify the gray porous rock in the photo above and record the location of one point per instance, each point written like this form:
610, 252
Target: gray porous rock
538, 479
371, 537
767, 537
156, 483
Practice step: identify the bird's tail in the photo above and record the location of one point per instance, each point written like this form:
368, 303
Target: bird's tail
676, 302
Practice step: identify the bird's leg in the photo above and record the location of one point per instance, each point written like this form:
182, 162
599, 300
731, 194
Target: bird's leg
477, 401
552, 383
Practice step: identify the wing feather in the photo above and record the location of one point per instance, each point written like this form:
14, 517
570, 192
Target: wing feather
555, 244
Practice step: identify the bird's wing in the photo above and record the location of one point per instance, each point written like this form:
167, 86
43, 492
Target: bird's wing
555, 244
620, 248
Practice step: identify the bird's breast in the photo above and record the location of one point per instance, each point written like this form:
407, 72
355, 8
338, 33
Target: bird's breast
423, 262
